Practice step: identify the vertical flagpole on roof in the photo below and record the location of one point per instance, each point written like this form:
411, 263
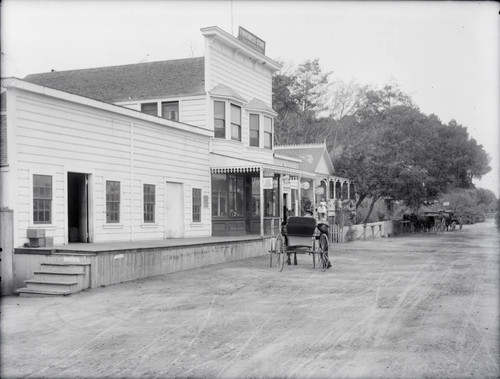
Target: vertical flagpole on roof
232, 25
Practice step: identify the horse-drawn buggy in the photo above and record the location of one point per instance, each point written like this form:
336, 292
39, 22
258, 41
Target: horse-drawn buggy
444, 220
301, 235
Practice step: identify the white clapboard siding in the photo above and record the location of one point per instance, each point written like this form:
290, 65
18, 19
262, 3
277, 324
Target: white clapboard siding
239, 73
192, 111
55, 136
228, 147
259, 155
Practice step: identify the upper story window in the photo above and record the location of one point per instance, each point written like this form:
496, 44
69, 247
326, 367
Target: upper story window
219, 119
42, 199
254, 130
150, 108
170, 110
235, 122
268, 132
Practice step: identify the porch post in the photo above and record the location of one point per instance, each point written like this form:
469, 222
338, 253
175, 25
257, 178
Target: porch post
261, 199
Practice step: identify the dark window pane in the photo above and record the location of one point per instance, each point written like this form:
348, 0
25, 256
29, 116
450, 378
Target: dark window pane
196, 205
219, 119
150, 108
235, 122
170, 110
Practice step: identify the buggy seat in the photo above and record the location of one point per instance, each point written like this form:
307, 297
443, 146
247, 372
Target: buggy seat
299, 231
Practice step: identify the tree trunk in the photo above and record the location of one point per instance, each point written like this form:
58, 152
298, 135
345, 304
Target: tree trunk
360, 200
372, 204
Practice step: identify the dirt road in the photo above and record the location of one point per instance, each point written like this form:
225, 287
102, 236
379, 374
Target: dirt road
421, 306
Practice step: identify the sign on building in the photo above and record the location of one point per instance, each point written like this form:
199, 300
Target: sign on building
251, 40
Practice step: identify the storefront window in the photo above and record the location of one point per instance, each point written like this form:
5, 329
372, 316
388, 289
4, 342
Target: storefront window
307, 196
219, 195
271, 199
255, 201
228, 195
236, 196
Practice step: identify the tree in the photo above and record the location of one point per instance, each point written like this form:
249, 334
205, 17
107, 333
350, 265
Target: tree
391, 149
299, 98
377, 137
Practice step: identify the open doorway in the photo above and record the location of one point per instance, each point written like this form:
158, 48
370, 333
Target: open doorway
78, 207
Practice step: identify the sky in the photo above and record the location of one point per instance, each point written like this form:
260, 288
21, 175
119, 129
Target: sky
444, 54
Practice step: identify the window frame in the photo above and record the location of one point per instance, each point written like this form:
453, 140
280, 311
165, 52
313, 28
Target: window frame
217, 130
149, 113
39, 198
235, 125
268, 135
149, 203
196, 196
109, 211
250, 129
176, 112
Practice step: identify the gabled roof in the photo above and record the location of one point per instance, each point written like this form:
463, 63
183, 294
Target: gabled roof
258, 105
310, 154
141, 81
225, 91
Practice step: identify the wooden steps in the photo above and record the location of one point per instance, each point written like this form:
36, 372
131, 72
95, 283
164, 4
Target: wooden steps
57, 279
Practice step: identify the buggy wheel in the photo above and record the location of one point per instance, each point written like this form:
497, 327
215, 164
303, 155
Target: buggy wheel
280, 253
323, 252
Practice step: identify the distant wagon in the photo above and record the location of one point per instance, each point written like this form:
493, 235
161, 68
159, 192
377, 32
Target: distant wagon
444, 220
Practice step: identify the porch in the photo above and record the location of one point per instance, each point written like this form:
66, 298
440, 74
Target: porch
62, 270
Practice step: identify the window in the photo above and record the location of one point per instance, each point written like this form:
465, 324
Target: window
219, 119
149, 203
255, 205
196, 205
271, 199
112, 202
235, 123
268, 133
150, 108
42, 199
219, 195
254, 130
170, 110
236, 196
229, 198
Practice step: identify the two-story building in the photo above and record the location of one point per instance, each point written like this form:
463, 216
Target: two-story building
152, 151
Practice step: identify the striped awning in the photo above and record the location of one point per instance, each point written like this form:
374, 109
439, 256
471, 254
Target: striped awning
236, 169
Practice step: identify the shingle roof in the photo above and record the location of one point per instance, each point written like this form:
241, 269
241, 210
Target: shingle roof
259, 105
142, 81
225, 91
310, 154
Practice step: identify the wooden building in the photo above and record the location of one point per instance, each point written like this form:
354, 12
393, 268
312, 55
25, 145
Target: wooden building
151, 151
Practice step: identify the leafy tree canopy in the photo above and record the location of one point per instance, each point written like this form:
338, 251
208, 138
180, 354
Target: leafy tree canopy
377, 136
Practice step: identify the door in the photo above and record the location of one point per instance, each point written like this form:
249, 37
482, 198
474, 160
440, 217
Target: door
78, 209
174, 213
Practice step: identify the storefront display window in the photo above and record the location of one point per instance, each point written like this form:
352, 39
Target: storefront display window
271, 199
255, 200
307, 195
228, 195
219, 195
236, 196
